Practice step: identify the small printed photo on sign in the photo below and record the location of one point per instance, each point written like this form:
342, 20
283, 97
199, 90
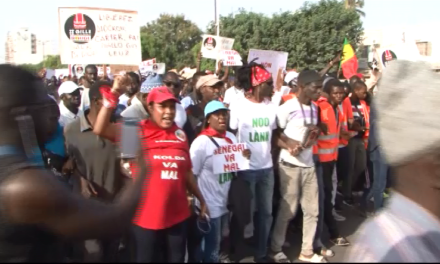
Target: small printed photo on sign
80, 28
158, 68
78, 70
210, 43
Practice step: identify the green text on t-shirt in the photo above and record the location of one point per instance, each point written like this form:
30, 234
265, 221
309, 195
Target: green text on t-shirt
255, 136
224, 178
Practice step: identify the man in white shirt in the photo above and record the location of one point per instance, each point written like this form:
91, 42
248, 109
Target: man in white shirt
233, 94
132, 90
285, 89
298, 179
70, 95
90, 77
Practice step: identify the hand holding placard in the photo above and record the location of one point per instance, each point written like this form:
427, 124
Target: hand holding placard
231, 158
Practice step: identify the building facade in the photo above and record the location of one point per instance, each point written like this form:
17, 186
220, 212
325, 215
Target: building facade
419, 40
23, 47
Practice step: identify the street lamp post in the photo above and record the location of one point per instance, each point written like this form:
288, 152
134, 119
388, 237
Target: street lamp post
217, 17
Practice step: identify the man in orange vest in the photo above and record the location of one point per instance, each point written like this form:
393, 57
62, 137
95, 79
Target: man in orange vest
358, 143
328, 144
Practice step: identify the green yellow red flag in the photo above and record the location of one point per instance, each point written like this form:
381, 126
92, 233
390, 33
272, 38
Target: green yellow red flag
349, 62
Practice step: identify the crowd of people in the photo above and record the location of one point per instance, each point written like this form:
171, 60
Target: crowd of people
311, 140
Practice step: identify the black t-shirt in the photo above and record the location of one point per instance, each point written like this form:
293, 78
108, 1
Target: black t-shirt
194, 122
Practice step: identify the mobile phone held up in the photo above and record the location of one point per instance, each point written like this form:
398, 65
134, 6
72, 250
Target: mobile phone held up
130, 139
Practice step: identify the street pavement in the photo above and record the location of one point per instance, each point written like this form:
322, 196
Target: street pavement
347, 228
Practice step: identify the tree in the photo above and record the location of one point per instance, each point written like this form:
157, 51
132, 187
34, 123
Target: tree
170, 39
53, 62
249, 29
50, 62
312, 36
355, 5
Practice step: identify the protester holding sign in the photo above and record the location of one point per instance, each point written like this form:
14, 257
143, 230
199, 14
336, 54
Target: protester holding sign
214, 187
254, 119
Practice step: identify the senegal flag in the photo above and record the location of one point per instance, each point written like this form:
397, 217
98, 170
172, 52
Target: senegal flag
349, 63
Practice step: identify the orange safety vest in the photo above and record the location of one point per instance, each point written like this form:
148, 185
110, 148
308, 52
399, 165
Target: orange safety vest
366, 112
287, 97
328, 145
344, 109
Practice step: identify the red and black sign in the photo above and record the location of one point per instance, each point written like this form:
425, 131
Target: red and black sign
388, 56
80, 28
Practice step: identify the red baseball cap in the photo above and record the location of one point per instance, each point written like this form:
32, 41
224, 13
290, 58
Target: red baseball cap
160, 95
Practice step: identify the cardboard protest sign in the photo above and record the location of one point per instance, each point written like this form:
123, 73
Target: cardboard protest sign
231, 58
212, 45
99, 36
272, 60
229, 158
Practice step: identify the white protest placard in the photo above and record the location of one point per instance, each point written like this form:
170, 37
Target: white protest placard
271, 60
60, 73
231, 58
158, 68
146, 63
229, 158
101, 70
212, 45
50, 73
99, 36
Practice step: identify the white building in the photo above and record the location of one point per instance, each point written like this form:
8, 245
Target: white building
426, 43
23, 47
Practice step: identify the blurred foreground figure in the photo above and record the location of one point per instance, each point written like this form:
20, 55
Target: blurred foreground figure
37, 211
408, 229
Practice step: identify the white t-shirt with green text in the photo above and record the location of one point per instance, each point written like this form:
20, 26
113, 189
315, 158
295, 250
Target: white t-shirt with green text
255, 123
214, 187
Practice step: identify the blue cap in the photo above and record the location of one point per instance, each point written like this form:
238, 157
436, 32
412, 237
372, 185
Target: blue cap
214, 106
152, 81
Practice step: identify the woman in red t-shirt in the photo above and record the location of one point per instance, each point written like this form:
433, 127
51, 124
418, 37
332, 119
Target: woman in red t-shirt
162, 213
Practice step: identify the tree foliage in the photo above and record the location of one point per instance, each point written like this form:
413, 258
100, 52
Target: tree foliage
170, 39
50, 62
312, 36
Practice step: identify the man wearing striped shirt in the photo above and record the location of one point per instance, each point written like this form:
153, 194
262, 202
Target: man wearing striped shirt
408, 230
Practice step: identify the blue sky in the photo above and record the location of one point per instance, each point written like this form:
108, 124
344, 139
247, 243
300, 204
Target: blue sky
42, 17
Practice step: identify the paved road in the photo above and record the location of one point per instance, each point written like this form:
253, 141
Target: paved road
347, 229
